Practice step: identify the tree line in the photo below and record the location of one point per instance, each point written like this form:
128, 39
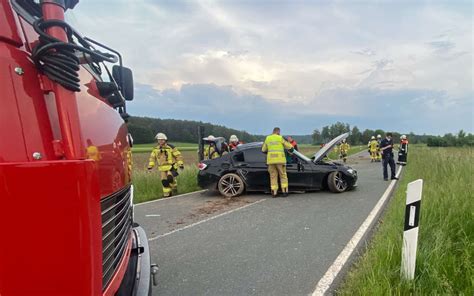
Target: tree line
358, 137
144, 129
461, 139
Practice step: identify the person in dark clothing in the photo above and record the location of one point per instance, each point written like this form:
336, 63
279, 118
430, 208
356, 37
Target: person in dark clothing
386, 147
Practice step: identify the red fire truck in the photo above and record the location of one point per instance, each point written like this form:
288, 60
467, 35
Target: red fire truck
66, 197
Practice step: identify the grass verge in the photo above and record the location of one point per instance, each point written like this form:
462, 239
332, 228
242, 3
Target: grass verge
148, 184
446, 239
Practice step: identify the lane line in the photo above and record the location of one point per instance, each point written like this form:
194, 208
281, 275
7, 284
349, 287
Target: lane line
326, 281
205, 220
168, 198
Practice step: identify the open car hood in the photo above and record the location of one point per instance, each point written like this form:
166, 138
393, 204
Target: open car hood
328, 147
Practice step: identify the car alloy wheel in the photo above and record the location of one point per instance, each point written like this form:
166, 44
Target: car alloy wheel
336, 182
231, 185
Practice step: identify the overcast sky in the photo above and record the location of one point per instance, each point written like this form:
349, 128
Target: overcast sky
300, 65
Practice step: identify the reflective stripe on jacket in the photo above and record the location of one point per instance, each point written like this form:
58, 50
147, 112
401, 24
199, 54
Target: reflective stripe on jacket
165, 157
275, 146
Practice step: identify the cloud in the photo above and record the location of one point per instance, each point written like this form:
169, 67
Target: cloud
415, 110
332, 60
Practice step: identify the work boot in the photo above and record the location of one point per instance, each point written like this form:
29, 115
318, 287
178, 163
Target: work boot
274, 194
285, 194
394, 178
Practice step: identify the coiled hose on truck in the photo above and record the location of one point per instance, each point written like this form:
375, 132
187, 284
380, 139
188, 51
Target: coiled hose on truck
59, 60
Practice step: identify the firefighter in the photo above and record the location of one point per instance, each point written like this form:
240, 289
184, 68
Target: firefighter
210, 152
403, 151
373, 148
343, 150
234, 142
168, 159
379, 152
92, 151
275, 146
293, 142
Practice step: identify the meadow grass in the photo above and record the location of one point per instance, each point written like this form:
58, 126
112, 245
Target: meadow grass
146, 148
444, 264
147, 184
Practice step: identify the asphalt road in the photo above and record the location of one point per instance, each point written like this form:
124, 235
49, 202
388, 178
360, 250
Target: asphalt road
255, 245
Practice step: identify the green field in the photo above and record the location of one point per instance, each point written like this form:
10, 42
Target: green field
445, 256
142, 148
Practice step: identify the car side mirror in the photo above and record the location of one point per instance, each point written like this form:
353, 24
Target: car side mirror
124, 78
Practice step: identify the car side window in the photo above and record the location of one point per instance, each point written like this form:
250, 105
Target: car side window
238, 157
254, 156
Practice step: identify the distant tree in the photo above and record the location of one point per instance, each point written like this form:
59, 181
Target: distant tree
317, 138
355, 137
326, 137
366, 135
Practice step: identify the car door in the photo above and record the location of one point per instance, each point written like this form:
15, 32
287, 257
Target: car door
300, 174
254, 170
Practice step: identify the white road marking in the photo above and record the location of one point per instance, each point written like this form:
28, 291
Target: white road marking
326, 281
168, 198
153, 215
205, 220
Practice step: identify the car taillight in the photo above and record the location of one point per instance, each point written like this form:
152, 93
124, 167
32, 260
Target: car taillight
202, 166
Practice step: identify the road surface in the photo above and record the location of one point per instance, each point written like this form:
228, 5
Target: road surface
255, 244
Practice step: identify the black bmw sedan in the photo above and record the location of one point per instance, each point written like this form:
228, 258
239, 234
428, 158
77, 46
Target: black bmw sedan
245, 170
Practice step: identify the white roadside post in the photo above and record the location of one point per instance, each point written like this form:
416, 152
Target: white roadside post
410, 233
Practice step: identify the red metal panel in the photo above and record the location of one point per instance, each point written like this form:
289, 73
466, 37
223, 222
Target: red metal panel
65, 99
50, 225
8, 28
103, 128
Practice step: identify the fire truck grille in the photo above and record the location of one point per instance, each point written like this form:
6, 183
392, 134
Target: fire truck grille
116, 226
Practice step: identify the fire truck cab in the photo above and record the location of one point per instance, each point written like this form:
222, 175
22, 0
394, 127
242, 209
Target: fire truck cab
66, 196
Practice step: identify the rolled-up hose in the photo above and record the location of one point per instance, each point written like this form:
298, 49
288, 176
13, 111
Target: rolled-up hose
57, 59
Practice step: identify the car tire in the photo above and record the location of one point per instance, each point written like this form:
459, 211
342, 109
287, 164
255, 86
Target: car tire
231, 185
336, 182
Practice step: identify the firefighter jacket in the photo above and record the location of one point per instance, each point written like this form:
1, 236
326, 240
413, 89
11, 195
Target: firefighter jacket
275, 146
344, 147
233, 145
404, 146
210, 152
165, 157
92, 152
373, 146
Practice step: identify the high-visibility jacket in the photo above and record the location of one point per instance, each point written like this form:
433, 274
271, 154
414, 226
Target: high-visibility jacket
373, 145
210, 152
344, 147
165, 157
275, 146
92, 152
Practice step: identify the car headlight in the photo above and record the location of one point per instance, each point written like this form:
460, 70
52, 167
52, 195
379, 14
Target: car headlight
351, 171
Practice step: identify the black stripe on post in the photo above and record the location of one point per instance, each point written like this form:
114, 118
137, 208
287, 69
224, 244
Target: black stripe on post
412, 215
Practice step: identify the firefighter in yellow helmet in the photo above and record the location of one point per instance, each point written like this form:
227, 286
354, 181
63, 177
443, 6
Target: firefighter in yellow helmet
274, 146
210, 152
92, 151
343, 150
379, 152
168, 159
373, 147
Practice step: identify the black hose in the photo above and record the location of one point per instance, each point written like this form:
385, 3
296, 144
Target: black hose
57, 59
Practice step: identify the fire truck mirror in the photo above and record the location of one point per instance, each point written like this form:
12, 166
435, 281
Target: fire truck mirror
124, 78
